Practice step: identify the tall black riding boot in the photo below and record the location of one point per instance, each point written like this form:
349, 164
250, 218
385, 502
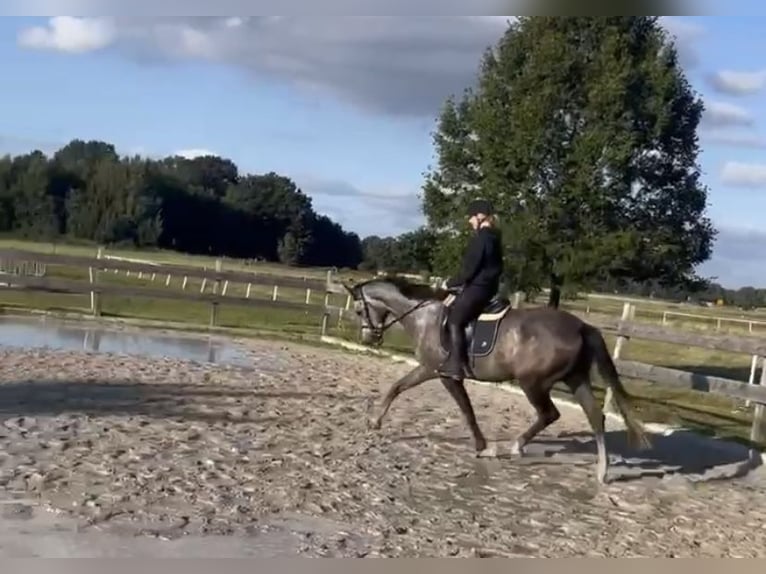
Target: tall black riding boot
453, 367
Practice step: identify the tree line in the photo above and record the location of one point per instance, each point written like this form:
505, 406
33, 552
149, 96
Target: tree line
86, 191
415, 253
581, 131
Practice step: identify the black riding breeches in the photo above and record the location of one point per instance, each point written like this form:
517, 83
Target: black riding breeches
468, 305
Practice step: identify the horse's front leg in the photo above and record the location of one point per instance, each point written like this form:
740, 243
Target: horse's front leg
457, 390
415, 377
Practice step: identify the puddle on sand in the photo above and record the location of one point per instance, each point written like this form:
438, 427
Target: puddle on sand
49, 333
29, 531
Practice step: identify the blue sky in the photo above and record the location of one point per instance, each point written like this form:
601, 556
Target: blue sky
345, 106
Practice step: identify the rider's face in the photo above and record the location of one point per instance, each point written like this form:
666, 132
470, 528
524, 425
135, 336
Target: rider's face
473, 221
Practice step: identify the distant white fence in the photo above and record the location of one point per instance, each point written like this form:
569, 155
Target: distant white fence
711, 319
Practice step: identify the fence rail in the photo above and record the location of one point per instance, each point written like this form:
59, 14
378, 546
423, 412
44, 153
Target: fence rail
96, 288
625, 328
731, 343
751, 391
718, 320
104, 263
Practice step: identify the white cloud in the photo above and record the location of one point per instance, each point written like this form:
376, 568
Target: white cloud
194, 152
752, 175
400, 65
69, 34
738, 83
723, 114
733, 139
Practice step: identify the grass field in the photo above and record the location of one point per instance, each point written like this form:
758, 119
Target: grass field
704, 412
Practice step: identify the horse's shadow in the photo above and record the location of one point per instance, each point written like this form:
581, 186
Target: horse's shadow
682, 452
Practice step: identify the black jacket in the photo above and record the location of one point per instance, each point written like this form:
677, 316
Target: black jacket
482, 264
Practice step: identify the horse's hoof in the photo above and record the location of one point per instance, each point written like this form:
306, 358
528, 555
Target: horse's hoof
488, 452
517, 450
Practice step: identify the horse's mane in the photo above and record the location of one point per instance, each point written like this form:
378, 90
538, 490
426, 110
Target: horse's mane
412, 290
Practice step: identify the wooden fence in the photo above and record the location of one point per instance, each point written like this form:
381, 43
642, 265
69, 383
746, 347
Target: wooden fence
218, 278
625, 328
752, 391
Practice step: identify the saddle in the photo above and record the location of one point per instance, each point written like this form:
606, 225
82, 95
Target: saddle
481, 333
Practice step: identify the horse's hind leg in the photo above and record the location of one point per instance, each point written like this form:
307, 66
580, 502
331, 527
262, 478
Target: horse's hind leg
538, 394
457, 390
583, 392
415, 377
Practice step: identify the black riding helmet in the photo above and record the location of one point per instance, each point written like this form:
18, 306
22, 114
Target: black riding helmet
479, 206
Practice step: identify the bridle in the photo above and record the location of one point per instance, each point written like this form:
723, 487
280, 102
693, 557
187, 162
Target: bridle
379, 330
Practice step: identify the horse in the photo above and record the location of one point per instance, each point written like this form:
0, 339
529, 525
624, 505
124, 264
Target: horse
537, 347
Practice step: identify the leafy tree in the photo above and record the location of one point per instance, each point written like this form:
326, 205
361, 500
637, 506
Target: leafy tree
289, 250
410, 252
203, 205
33, 208
582, 131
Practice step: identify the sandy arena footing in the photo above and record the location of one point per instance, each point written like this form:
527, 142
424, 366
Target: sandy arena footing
144, 457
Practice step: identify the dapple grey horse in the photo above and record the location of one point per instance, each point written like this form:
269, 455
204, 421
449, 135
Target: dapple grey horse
538, 347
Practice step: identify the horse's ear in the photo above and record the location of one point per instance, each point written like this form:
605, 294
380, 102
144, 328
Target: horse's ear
349, 287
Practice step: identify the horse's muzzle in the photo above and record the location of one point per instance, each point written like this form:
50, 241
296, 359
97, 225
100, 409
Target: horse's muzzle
370, 336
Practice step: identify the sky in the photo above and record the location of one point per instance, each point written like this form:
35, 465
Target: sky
345, 106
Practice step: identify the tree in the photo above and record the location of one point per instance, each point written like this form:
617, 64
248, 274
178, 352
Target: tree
86, 190
582, 131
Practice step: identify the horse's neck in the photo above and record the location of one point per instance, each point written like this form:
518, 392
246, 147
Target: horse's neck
415, 315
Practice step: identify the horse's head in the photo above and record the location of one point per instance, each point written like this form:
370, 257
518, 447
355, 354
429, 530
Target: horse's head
372, 312
377, 299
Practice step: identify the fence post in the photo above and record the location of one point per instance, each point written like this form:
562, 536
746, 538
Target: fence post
327, 288
325, 316
758, 430
247, 293
274, 293
213, 313
753, 372
517, 298
626, 313
167, 280
218, 268
308, 296
95, 303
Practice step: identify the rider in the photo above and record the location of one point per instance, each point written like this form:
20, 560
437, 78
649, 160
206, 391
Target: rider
479, 278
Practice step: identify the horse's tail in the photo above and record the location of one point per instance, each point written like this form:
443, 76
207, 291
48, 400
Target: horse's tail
603, 364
